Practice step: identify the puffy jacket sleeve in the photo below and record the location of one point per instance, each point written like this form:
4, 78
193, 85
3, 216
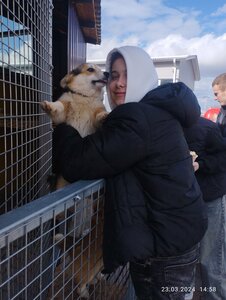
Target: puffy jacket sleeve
214, 159
119, 144
213, 163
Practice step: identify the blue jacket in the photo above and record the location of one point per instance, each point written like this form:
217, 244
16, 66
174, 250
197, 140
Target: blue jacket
153, 203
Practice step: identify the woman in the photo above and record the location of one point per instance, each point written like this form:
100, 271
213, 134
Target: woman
154, 213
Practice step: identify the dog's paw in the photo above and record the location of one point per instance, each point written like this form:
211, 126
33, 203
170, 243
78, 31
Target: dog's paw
52, 182
47, 106
58, 237
83, 292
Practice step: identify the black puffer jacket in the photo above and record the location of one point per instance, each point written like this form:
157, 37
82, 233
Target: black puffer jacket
206, 140
153, 204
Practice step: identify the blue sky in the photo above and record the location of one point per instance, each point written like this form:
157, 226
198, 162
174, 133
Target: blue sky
166, 28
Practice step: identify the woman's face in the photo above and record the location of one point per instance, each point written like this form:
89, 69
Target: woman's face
118, 81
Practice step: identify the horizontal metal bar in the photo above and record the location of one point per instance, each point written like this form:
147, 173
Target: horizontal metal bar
12, 223
15, 32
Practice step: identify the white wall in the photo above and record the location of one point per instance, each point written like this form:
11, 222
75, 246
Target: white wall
186, 74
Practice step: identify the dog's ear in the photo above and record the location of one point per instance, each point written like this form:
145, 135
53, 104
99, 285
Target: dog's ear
67, 79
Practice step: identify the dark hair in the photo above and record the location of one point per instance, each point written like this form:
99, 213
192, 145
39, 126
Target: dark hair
113, 58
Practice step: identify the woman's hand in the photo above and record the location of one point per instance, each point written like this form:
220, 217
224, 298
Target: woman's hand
194, 162
195, 166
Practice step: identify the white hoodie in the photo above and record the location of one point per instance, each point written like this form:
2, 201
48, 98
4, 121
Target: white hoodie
141, 74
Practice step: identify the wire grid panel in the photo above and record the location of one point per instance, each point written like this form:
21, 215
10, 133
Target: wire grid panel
51, 248
25, 80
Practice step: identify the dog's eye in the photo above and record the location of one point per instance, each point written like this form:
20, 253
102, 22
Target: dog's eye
91, 70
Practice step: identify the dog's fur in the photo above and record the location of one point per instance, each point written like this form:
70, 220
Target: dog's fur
81, 106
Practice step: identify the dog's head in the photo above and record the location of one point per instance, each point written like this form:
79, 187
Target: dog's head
87, 79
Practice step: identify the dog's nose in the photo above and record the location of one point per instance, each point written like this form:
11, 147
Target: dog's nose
106, 74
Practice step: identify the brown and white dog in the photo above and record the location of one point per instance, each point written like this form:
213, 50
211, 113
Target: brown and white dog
81, 106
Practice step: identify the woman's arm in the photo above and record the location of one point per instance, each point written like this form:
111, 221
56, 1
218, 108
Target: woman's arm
119, 144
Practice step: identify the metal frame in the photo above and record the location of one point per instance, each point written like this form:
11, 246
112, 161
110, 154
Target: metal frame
33, 264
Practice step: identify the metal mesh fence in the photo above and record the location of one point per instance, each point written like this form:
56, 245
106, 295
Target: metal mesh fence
52, 249
25, 80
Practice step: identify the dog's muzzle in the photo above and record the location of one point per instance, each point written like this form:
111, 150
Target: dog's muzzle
104, 80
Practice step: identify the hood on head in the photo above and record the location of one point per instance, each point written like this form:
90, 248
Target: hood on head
141, 74
178, 99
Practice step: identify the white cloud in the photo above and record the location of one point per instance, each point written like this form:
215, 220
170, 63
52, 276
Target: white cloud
220, 11
137, 9
150, 20
121, 9
209, 49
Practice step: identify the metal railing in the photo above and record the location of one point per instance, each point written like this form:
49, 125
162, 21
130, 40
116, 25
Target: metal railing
51, 248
